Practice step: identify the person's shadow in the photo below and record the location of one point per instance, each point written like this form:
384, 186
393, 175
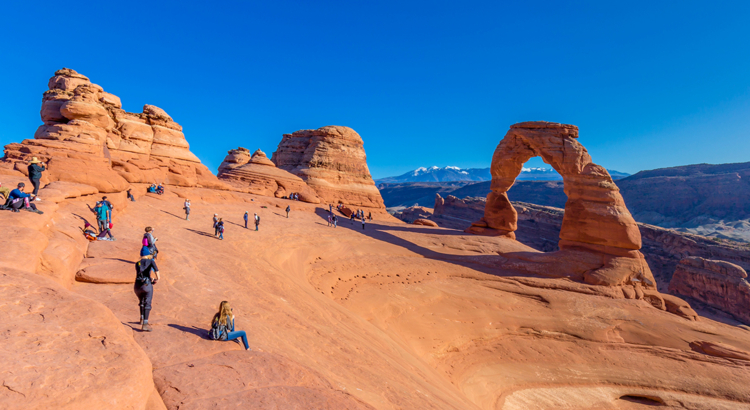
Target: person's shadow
176, 216
200, 232
202, 333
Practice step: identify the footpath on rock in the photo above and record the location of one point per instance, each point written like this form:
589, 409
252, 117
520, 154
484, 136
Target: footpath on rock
393, 316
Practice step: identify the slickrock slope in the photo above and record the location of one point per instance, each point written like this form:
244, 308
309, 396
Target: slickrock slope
599, 240
720, 284
332, 161
82, 122
259, 175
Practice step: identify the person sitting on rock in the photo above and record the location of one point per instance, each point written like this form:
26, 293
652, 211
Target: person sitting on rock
143, 286
130, 196
19, 199
105, 235
160, 189
151, 189
222, 326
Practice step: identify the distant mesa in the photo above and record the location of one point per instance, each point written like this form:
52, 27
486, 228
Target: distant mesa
259, 175
332, 161
84, 122
450, 174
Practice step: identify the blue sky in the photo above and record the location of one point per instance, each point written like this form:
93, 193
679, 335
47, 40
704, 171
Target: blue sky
650, 84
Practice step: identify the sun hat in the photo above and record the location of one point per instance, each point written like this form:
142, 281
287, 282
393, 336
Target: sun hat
34, 160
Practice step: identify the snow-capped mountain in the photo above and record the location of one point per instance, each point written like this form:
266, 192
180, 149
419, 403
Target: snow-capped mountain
448, 174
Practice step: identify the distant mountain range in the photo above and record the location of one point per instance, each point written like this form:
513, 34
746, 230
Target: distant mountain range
451, 174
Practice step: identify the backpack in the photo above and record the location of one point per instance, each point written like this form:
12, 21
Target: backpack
257, 221
145, 240
218, 331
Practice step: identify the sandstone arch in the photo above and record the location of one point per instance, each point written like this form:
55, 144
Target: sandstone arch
598, 236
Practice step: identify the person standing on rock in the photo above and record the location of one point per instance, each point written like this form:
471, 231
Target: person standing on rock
287, 211
246, 217
216, 220
222, 326
330, 220
143, 286
351, 218
35, 174
369, 216
110, 208
257, 221
363, 223
130, 196
187, 209
150, 242
335, 221
220, 228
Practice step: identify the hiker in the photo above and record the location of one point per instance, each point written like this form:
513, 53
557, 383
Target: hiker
363, 223
222, 326
330, 220
351, 217
111, 208
18, 199
143, 286
335, 221
150, 242
35, 174
330, 208
130, 196
257, 221
216, 221
246, 217
287, 211
187, 209
160, 190
220, 228
369, 216
151, 189
102, 214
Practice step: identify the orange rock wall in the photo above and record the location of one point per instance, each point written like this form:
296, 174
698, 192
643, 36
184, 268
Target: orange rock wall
332, 161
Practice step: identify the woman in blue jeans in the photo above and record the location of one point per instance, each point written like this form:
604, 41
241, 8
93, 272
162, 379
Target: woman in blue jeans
222, 326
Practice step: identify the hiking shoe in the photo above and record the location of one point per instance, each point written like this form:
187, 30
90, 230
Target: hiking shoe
146, 327
37, 199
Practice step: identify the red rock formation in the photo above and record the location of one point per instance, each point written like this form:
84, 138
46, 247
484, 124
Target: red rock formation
720, 284
599, 239
87, 138
259, 175
425, 222
332, 161
413, 213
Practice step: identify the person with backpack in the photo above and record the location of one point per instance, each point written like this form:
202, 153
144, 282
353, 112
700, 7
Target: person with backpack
351, 218
335, 221
288, 208
110, 208
363, 223
216, 229
35, 175
143, 286
220, 228
102, 214
222, 326
150, 242
130, 196
246, 217
257, 221
187, 209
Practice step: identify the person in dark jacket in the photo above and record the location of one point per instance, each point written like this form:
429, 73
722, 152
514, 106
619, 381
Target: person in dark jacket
246, 217
288, 208
143, 286
130, 196
35, 174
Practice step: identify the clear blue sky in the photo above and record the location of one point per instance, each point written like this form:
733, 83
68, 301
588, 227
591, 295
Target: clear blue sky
650, 84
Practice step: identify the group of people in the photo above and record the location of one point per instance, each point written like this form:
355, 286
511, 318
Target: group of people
294, 196
103, 211
155, 189
332, 219
256, 219
16, 199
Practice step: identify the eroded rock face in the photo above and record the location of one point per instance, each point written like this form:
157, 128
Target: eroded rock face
332, 161
597, 227
720, 284
82, 122
258, 175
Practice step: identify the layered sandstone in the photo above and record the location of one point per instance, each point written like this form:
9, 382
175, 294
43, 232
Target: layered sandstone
720, 284
332, 161
259, 175
88, 138
599, 240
